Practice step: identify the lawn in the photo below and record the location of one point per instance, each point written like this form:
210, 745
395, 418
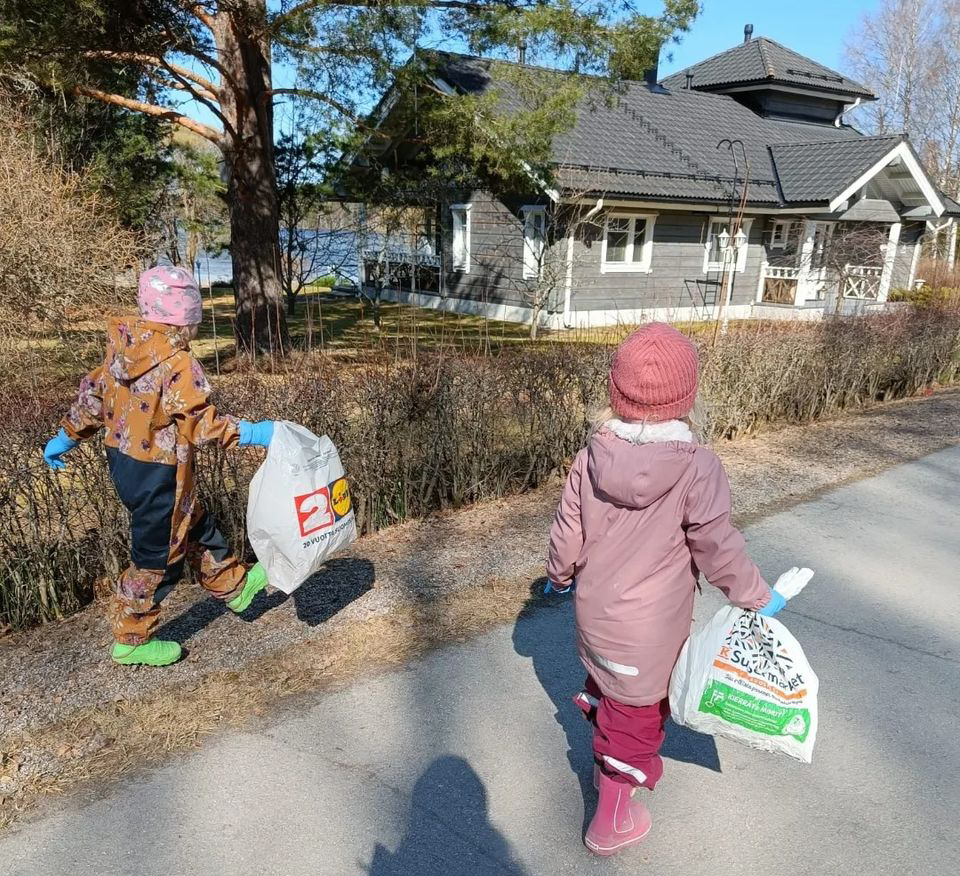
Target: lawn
345, 326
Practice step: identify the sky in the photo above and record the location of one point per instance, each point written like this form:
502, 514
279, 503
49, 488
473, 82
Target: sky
816, 28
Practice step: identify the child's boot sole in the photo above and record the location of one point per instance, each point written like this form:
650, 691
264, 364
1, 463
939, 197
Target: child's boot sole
605, 851
145, 655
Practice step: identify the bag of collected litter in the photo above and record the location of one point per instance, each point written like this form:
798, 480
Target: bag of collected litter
299, 511
746, 677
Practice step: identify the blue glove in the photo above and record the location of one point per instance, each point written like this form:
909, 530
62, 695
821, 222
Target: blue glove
776, 603
58, 445
552, 588
256, 434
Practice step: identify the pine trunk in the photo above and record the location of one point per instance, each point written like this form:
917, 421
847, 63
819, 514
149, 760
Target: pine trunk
261, 325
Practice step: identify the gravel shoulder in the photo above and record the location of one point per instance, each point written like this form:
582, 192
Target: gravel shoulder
478, 563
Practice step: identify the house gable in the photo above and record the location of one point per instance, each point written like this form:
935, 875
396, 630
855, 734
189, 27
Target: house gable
773, 81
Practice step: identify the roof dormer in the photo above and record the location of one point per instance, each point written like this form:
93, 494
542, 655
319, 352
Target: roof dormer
774, 81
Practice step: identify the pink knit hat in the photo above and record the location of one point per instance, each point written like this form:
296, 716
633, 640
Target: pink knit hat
169, 296
654, 375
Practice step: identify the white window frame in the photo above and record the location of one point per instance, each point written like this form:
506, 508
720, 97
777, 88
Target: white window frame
645, 265
463, 266
780, 235
533, 260
723, 221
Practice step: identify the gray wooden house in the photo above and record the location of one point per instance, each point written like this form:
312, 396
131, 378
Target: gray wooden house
735, 182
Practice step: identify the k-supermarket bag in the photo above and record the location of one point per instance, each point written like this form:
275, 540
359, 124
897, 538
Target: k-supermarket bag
745, 677
299, 511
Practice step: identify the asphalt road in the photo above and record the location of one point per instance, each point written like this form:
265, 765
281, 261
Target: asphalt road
474, 762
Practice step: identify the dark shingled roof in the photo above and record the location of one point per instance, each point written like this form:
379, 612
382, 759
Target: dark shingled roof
820, 171
654, 142
646, 141
763, 60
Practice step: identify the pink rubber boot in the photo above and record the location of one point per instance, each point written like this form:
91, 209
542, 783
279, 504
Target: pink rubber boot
620, 820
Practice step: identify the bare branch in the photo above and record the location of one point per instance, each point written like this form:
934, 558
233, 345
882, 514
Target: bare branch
150, 109
310, 94
142, 58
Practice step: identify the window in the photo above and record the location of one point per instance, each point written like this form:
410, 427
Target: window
534, 237
461, 237
714, 259
780, 236
627, 243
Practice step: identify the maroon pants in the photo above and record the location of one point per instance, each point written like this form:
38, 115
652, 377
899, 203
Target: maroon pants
626, 739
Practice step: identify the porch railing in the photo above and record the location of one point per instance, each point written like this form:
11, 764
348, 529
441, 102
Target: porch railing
780, 284
402, 256
862, 282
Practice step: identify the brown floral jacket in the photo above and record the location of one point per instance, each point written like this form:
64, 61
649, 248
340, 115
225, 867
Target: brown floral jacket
151, 395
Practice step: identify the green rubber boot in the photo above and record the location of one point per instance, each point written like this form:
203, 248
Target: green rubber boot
255, 581
153, 653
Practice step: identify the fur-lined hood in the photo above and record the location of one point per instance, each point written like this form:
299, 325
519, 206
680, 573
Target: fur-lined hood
635, 464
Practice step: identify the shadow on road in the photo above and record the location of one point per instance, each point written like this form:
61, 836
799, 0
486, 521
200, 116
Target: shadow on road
448, 832
333, 588
561, 674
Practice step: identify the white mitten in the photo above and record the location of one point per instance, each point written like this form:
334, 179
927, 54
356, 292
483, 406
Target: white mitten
789, 584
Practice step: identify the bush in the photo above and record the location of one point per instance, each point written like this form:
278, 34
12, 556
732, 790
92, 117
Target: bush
438, 432
62, 251
928, 296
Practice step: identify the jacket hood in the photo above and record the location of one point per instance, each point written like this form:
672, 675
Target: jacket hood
635, 475
135, 346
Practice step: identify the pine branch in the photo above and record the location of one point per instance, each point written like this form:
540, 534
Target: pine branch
201, 14
463, 5
142, 58
150, 109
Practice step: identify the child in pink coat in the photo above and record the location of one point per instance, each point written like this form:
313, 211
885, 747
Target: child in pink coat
644, 511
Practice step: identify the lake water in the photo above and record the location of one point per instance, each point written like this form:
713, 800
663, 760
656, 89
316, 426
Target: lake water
336, 254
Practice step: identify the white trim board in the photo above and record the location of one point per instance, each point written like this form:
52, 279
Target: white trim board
609, 317
578, 318
903, 152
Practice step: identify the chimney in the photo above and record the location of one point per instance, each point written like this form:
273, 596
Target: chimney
689, 83
651, 74
747, 33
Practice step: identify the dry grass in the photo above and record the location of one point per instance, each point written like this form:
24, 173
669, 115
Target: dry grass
108, 743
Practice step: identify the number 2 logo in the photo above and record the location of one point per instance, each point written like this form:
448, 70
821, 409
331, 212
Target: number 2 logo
313, 511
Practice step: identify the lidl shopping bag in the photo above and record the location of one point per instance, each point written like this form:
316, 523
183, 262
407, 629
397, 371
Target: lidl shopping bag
299, 511
745, 677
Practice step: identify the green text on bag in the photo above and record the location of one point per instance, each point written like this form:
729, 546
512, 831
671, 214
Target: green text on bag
754, 713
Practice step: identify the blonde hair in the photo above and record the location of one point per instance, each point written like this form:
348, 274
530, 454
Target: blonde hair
698, 419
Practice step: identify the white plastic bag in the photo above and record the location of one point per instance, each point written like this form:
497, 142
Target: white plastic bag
299, 511
746, 677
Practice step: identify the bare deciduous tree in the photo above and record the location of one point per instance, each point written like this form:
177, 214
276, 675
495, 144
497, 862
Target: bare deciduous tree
908, 52
536, 255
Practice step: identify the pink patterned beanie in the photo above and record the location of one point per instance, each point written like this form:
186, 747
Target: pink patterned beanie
169, 296
654, 375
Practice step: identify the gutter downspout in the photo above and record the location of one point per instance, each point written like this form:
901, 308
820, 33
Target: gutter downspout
845, 110
568, 281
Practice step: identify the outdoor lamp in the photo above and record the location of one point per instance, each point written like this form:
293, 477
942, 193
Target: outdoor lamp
723, 238
740, 239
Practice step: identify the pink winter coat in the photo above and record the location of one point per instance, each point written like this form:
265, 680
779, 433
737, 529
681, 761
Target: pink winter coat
635, 526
